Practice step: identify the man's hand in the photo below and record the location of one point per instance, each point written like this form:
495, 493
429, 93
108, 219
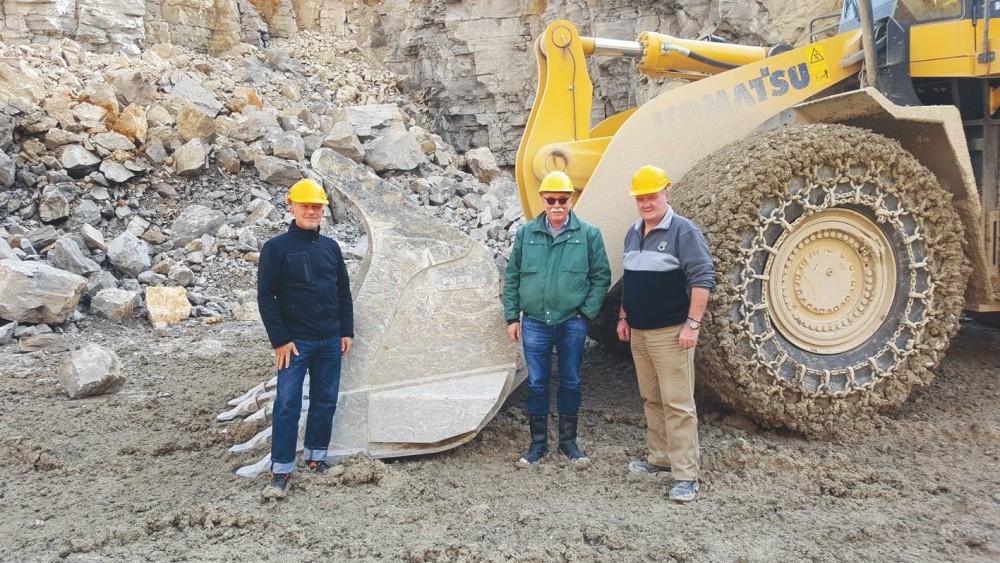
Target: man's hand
514, 331
688, 337
624, 331
283, 354
345, 345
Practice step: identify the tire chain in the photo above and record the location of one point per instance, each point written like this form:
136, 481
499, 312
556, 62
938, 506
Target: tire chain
921, 300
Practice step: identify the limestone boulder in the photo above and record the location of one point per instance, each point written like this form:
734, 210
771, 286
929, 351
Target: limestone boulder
129, 254
132, 124
372, 120
394, 151
344, 140
288, 145
192, 123
52, 205
55, 138
197, 95
93, 238
195, 221
45, 342
247, 128
167, 305
482, 164
116, 172
7, 332
67, 255
113, 141
18, 81
132, 87
113, 304
6, 252
190, 159
8, 171
277, 171
78, 161
100, 280
91, 370
34, 292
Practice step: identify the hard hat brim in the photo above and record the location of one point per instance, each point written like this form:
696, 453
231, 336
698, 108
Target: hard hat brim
635, 193
320, 201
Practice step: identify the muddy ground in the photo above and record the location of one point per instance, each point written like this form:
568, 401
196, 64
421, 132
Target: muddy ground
144, 474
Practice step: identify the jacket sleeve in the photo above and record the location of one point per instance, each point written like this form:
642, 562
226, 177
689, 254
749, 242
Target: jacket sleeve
696, 260
346, 301
599, 275
268, 278
512, 281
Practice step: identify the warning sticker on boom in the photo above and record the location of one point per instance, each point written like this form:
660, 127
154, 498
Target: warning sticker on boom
816, 59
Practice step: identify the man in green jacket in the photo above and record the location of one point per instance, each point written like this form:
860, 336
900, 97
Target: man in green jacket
556, 280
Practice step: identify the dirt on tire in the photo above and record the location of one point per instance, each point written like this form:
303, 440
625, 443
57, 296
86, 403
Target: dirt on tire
743, 359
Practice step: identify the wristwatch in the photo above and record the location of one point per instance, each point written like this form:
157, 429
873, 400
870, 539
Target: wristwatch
693, 324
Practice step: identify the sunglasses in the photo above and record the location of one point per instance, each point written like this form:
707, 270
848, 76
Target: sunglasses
555, 200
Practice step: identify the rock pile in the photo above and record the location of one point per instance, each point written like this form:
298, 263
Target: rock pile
146, 186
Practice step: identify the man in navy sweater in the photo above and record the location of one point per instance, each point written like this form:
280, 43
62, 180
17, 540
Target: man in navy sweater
304, 296
668, 276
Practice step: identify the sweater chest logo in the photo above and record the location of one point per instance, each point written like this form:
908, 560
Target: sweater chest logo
662, 246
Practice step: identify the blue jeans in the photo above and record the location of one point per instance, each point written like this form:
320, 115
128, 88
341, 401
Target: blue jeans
321, 358
539, 339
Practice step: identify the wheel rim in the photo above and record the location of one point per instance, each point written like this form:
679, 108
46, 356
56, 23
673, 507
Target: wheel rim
831, 283
811, 352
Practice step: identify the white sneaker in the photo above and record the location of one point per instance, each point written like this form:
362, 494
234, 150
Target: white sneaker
683, 491
643, 467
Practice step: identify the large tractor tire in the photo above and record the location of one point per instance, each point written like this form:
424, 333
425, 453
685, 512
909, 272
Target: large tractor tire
604, 329
841, 275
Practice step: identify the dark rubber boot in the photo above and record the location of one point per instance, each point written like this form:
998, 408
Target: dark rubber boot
567, 438
539, 426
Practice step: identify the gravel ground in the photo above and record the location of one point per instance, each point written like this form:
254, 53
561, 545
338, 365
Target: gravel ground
144, 474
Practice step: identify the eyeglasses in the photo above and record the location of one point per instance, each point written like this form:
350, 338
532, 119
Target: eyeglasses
555, 200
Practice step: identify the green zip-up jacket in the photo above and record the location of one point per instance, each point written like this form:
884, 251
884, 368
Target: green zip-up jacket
552, 279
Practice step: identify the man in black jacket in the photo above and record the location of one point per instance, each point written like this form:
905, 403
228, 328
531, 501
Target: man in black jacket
304, 296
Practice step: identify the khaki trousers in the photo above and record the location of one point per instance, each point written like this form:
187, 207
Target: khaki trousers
666, 384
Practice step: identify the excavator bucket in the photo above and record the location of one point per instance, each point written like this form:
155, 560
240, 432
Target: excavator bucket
431, 362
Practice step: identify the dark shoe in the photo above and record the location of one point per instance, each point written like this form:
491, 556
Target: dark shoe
539, 447
683, 491
643, 467
567, 438
278, 487
320, 467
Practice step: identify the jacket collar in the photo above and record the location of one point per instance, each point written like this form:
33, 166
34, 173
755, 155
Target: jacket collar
664, 223
298, 231
538, 223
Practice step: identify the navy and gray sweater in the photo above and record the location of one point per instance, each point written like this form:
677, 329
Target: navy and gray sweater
302, 288
660, 270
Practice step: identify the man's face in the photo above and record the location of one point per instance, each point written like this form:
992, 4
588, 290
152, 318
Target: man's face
307, 215
557, 206
652, 207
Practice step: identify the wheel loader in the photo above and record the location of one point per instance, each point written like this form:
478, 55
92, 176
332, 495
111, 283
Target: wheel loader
847, 189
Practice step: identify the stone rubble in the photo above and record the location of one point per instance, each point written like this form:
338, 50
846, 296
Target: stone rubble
144, 186
91, 370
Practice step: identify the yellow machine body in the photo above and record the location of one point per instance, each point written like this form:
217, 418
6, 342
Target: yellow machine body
720, 105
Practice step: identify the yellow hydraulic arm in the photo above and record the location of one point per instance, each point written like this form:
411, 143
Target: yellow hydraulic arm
738, 88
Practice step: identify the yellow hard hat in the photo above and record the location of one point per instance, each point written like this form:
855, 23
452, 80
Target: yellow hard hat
648, 180
308, 191
556, 181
